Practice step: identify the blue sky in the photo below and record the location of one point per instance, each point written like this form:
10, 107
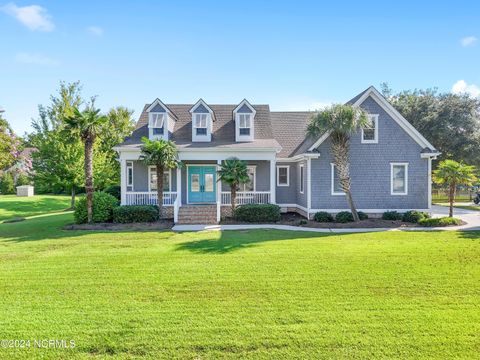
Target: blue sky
292, 55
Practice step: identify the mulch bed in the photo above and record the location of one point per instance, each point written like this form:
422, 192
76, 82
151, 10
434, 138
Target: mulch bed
295, 219
158, 225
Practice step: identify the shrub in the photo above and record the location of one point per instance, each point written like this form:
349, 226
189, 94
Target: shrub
444, 221
135, 213
22, 179
103, 205
258, 213
362, 215
302, 222
114, 190
323, 216
391, 215
344, 217
414, 216
7, 186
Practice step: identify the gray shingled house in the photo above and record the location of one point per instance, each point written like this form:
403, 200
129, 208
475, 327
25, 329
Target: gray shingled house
390, 161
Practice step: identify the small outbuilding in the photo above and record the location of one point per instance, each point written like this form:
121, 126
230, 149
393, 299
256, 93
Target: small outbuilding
25, 190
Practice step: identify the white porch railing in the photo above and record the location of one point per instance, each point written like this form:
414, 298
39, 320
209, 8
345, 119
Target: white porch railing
247, 197
150, 198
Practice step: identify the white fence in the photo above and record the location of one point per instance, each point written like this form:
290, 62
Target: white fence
150, 198
247, 197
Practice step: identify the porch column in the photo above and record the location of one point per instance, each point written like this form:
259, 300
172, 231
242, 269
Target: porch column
179, 186
219, 194
309, 186
273, 184
123, 181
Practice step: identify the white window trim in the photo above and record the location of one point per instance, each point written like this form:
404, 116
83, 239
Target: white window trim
129, 166
406, 178
301, 178
151, 127
201, 127
153, 168
254, 168
374, 118
288, 175
332, 181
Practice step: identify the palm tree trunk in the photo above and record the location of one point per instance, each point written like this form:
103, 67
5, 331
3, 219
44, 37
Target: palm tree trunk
89, 176
340, 148
233, 197
451, 197
160, 170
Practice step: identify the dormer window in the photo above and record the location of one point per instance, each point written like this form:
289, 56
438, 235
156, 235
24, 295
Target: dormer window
160, 121
157, 121
244, 117
244, 124
200, 124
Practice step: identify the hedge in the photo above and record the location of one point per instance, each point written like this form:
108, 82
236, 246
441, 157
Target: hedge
392, 215
323, 216
135, 213
414, 216
114, 190
258, 213
362, 215
444, 221
344, 217
103, 205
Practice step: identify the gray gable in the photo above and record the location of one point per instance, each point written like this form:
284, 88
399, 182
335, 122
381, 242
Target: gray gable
244, 109
158, 108
201, 109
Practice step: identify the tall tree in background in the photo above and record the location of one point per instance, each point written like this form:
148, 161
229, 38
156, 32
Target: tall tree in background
451, 122
341, 121
9, 144
59, 163
87, 125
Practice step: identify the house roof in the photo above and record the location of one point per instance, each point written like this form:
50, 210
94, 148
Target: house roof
223, 132
285, 131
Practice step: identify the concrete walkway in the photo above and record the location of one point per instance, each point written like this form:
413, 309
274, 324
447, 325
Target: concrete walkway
472, 218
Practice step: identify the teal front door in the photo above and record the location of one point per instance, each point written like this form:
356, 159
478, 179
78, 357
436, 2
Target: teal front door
202, 181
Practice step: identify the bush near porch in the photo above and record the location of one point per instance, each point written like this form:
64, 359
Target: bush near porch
258, 213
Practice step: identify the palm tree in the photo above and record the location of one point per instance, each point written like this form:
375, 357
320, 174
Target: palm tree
453, 173
233, 172
86, 124
340, 121
164, 155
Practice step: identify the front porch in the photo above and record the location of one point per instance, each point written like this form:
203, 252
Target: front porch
195, 185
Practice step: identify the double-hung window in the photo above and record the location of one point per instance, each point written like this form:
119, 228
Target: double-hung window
399, 178
283, 175
129, 173
250, 185
301, 179
153, 179
201, 124
156, 123
244, 125
370, 132
335, 180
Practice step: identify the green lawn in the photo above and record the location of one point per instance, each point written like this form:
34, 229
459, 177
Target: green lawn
12, 206
239, 294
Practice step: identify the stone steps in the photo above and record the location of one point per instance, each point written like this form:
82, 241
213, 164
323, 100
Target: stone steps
197, 214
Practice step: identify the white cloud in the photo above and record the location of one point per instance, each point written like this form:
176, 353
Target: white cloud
468, 41
34, 17
35, 58
461, 87
95, 30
